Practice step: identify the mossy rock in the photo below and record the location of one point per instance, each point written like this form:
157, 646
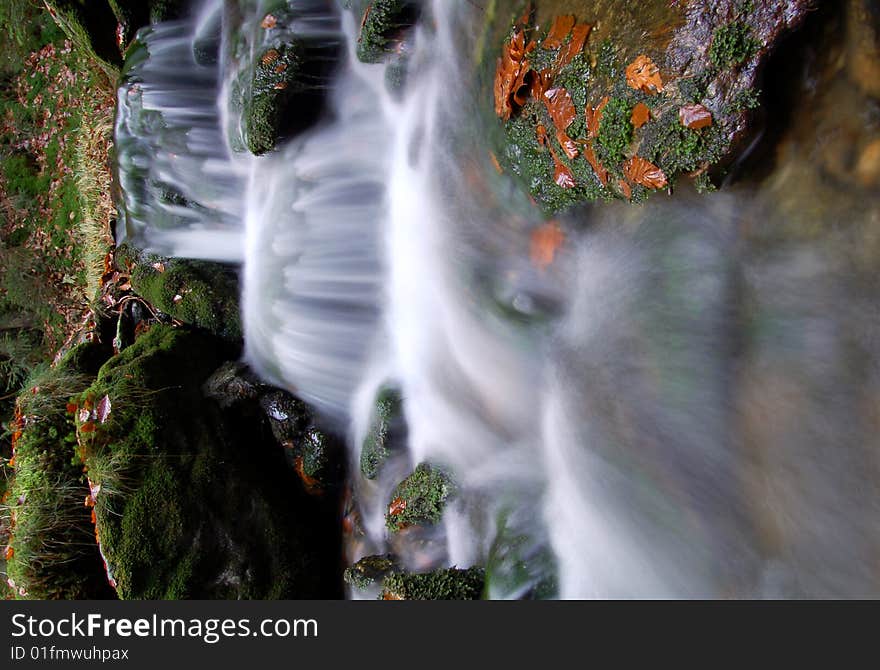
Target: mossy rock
194, 502
199, 293
381, 25
371, 570
420, 498
280, 74
377, 444
443, 584
54, 553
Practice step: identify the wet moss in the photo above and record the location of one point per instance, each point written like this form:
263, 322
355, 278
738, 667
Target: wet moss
376, 447
420, 498
370, 570
677, 149
732, 45
615, 133
198, 293
444, 584
191, 503
383, 21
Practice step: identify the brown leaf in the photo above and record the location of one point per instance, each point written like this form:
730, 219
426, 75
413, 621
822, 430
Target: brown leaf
594, 118
397, 506
597, 166
567, 144
644, 75
625, 189
560, 29
541, 132
495, 163
640, 171
270, 21
575, 45
546, 239
87, 428
270, 57
561, 108
695, 116
159, 267
561, 174
510, 73
640, 115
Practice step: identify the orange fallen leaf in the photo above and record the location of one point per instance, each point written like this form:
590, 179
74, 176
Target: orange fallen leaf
560, 107
541, 132
625, 189
695, 116
640, 171
159, 267
87, 428
397, 506
578, 39
510, 73
9, 553
561, 174
312, 485
546, 239
642, 74
270, 57
560, 29
568, 145
280, 86
640, 115
597, 166
495, 163
594, 118
269, 21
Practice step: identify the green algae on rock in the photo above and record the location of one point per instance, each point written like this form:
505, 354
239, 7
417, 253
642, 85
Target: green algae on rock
371, 570
442, 584
377, 444
420, 498
690, 55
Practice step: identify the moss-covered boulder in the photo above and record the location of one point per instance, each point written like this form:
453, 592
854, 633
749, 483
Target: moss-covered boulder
626, 98
385, 428
443, 584
281, 71
194, 501
91, 27
420, 498
382, 25
371, 570
199, 293
51, 551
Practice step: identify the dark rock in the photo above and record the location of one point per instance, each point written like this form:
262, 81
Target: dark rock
386, 430
383, 23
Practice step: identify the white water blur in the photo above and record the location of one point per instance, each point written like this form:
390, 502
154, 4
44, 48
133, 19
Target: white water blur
611, 430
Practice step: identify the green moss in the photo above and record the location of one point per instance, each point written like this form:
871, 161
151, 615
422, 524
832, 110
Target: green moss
382, 22
260, 121
744, 100
615, 133
376, 447
732, 44
607, 60
444, 584
370, 570
676, 149
199, 293
423, 497
192, 504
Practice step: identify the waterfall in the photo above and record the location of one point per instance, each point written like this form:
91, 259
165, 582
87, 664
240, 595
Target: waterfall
595, 411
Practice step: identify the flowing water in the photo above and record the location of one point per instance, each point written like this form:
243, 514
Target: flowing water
677, 406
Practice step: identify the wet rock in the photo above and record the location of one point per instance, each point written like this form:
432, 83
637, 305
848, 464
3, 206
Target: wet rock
197, 502
383, 23
282, 70
386, 429
867, 169
233, 383
665, 56
370, 570
199, 293
444, 584
420, 498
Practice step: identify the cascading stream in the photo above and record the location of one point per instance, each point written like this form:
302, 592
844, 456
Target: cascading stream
597, 414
